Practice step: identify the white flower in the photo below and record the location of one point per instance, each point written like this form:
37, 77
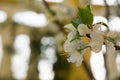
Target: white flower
72, 49
111, 60
76, 57
110, 49
114, 35
96, 41
70, 46
70, 27
72, 31
83, 29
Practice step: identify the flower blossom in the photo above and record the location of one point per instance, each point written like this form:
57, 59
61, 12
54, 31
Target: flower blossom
96, 41
96, 37
72, 47
72, 31
114, 35
83, 29
89, 35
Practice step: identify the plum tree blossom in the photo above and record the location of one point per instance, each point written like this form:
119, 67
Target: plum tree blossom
83, 29
73, 47
72, 33
96, 41
76, 47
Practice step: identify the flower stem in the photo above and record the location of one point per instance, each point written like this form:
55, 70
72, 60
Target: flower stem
83, 48
88, 70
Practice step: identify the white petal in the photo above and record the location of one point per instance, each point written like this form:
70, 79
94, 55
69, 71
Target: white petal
79, 61
110, 48
70, 27
111, 60
69, 46
76, 57
71, 35
83, 29
112, 34
72, 58
96, 41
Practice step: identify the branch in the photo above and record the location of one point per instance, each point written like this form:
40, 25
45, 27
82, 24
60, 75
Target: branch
117, 47
53, 14
107, 10
48, 8
118, 8
88, 70
105, 64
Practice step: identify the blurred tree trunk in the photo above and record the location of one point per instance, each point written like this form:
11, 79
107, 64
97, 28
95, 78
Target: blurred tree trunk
5, 68
8, 35
118, 8
61, 68
33, 73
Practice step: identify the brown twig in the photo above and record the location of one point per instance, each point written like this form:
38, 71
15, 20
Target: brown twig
107, 10
117, 47
48, 8
118, 8
88, 70
54, 14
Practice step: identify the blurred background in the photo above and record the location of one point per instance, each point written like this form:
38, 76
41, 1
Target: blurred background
32, 35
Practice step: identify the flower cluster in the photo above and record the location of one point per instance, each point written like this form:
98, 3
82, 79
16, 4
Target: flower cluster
75, 45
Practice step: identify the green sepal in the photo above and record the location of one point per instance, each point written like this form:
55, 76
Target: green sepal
77, 36
75, 23
83, 48
111, 40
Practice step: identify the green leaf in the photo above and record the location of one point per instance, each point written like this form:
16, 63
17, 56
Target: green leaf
85, 15
88, 6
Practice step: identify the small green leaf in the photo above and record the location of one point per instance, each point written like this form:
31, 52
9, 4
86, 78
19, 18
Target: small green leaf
85, 15
77, 36
75, 23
